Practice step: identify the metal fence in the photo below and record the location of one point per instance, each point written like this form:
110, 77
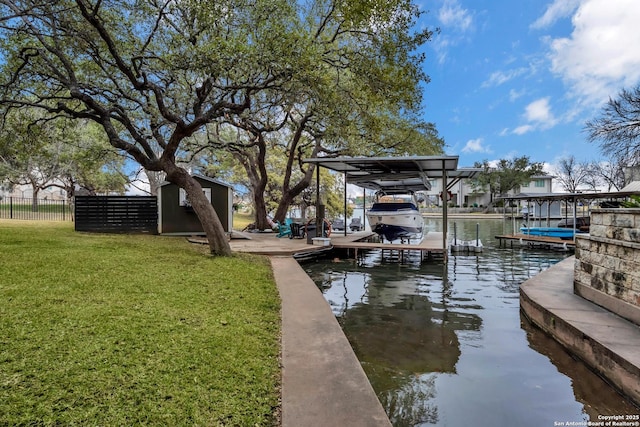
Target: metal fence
38, 210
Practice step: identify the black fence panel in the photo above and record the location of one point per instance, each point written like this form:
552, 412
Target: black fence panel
116, 214
26, 208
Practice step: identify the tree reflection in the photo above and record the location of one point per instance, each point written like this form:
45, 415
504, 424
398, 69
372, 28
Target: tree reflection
411, 405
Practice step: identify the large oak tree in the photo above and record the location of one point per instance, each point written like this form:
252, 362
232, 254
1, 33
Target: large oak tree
361, 96
151, 73
156, 73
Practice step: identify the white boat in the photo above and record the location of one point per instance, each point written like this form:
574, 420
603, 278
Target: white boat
396, 216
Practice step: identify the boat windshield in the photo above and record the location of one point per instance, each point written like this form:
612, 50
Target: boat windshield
396, 198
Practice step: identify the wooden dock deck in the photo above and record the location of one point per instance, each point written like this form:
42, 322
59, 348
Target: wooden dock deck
269, 244
535, 241
429, 245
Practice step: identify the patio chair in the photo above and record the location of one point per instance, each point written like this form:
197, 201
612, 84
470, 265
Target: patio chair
284, 230
297, 230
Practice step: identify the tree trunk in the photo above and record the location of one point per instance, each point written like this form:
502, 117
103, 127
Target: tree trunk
260, 205
289, 193
283, 206
254, 164
289, 196
155, 179
34, 199
218, 242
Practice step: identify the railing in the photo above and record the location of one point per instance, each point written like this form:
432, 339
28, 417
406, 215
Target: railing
40, 210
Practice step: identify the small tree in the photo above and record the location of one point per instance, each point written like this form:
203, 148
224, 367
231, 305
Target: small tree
44, 151
572, 174
617, 130
506, 175
608, 173
633, 202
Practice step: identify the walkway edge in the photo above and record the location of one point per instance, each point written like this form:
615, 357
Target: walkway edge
606, 342
323, 383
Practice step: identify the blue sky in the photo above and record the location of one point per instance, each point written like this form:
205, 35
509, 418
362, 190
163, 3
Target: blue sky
512, 78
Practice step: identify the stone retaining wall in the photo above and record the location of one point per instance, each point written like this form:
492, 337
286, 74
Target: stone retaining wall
607, 265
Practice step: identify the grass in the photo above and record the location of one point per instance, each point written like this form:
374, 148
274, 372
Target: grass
241, 220
129, 330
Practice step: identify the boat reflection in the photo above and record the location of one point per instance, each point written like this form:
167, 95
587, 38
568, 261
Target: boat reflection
402, 331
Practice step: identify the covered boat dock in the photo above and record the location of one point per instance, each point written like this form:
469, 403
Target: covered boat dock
541, 200
389, 174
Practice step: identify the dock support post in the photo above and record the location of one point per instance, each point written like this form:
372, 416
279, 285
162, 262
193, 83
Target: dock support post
445, 201
345, 204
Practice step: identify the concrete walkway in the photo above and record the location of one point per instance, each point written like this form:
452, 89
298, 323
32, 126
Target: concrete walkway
323, 383
609, 344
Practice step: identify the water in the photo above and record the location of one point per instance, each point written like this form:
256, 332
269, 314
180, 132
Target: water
448, 346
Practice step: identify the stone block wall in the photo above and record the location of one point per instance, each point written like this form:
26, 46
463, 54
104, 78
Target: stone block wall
607, 262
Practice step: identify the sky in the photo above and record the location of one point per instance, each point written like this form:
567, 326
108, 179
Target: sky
511, 78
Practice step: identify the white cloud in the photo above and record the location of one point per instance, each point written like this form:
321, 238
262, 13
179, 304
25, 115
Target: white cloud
476, 146
500, 77
548, 168
538, 116
453, 15
539, 112
521, 130
507, 156
600, 57
139, 185
441, 47
556, 10
455, 22
514, 94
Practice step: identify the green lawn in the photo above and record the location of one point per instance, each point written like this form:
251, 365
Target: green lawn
128, 330
241, 220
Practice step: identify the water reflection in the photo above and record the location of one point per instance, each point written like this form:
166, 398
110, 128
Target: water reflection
588, 388
444, 345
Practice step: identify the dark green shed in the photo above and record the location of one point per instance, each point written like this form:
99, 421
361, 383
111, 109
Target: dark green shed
177, 217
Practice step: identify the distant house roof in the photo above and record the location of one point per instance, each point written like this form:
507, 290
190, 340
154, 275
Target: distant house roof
572, 196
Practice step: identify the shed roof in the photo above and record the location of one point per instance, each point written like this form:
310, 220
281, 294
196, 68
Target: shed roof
204, 178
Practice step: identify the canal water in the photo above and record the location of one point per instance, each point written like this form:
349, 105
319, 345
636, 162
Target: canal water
447, 346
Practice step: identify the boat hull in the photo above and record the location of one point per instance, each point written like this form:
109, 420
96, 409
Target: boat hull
557, 232
396, 224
